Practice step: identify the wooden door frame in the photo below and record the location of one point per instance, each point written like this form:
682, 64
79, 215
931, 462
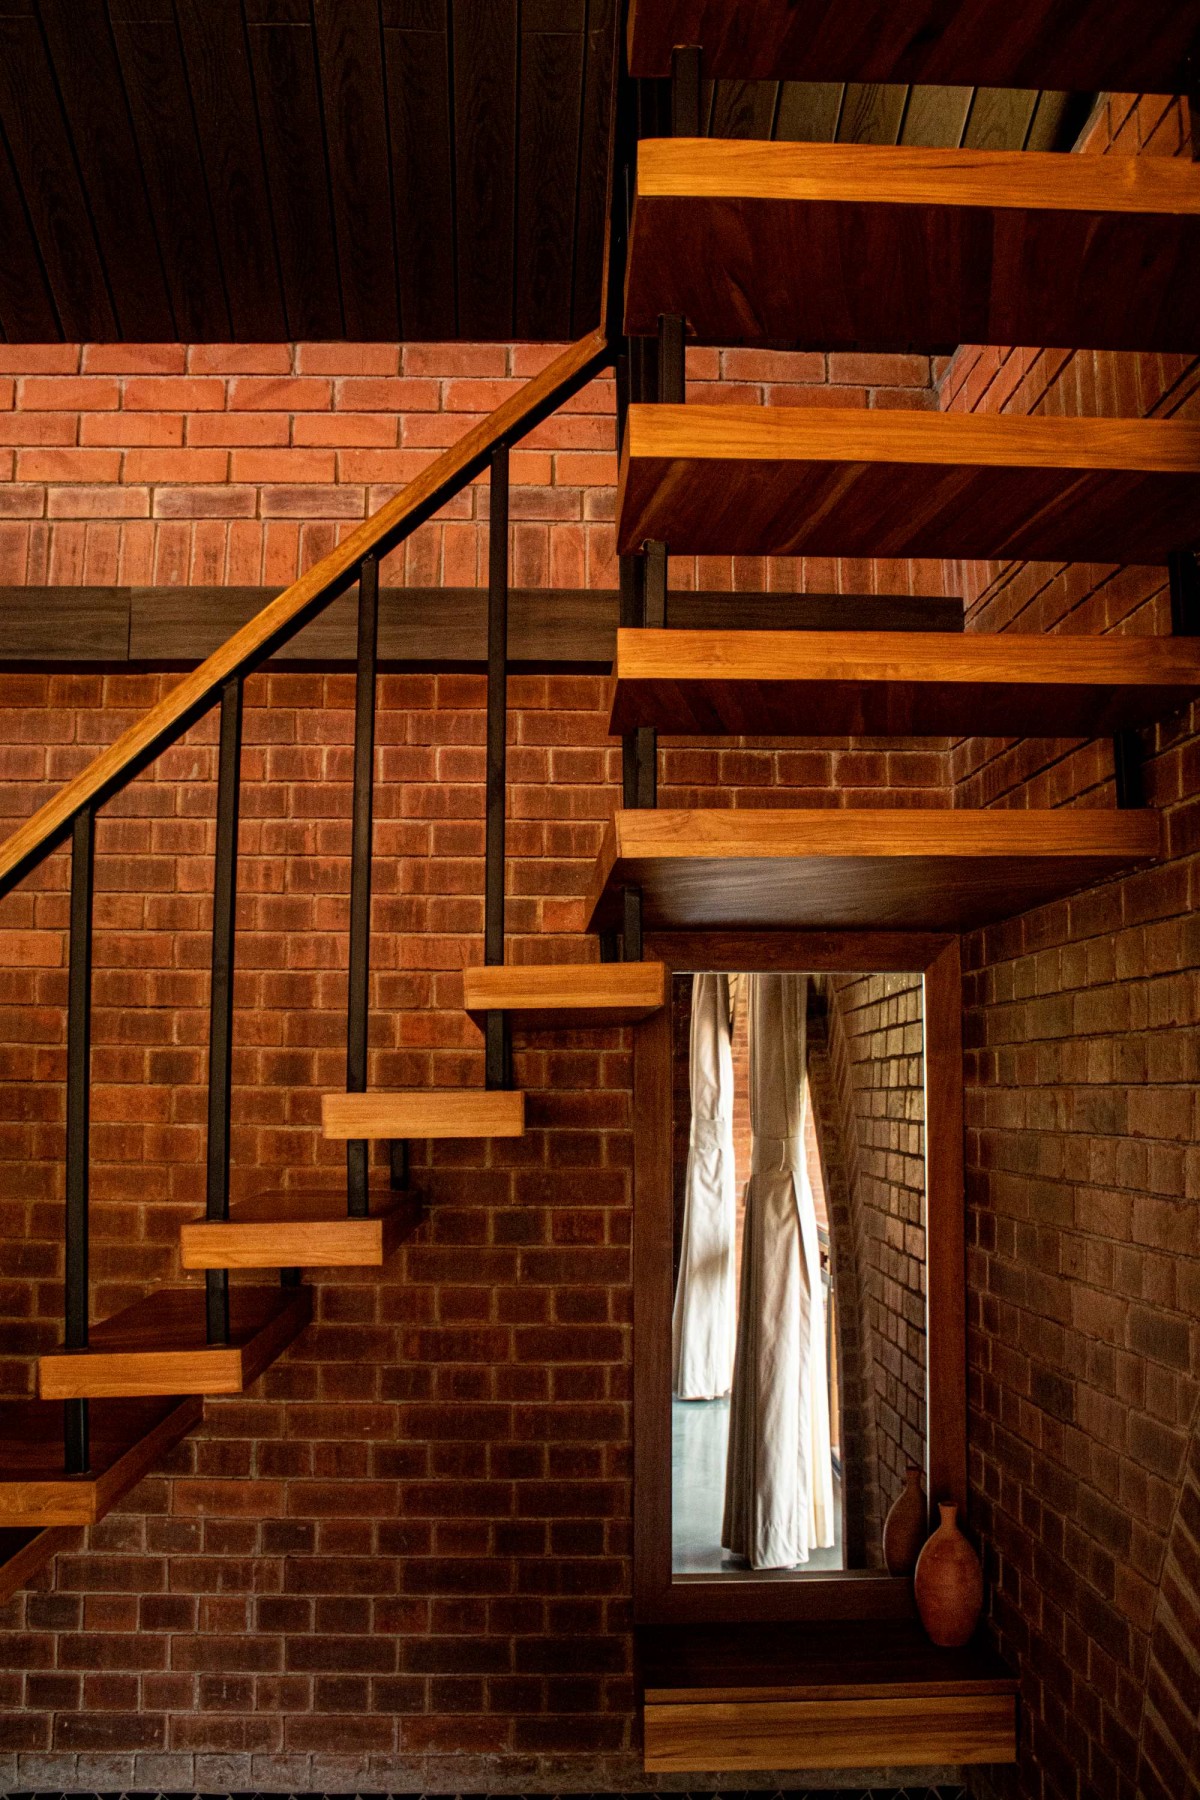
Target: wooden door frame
844, 1594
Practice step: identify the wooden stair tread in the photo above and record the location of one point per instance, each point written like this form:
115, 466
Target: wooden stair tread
825, 481
867, 868
301, 1231
158, 1345
1130, 46
128, 1439
885, 683
425, 1113
546, 996
23, 1551
850, 245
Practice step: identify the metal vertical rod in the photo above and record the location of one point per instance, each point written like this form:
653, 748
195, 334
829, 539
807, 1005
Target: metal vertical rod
685, 91
1127, 768
360, 872
220, 1029
1184, 576
79, 1067
498, 1072
672, 378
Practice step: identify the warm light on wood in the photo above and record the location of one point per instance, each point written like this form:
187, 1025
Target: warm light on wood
300, 1231
128, 1440
568, 995
425, 1113
881, 1731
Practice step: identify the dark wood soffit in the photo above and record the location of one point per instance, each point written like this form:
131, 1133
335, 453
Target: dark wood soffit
418, 627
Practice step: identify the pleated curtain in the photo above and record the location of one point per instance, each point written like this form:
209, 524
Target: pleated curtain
705, 1294
779, 1481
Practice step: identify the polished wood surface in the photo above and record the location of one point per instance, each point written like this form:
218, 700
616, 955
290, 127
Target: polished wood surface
546, 996
906, 684
865, 868
158, 1346
751, 480
855, 245
1129, 45
128, 1439
24, 1552
875, 1732
425, 1113
301, 1231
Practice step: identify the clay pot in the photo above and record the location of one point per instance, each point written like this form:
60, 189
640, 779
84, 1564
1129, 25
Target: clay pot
906, 1525
948, 1584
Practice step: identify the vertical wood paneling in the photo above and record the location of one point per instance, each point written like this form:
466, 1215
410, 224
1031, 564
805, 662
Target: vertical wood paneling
551, 83
416, 42
26, 309
591, 213
485, 131
350, 58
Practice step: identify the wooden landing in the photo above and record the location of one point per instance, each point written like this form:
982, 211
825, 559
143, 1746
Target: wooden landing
850, 245
129, 1438
867, 868
425, 1113
24, 1552
556, 996
904, 684
300, 1231
789, 480
830, 1696
158, 1346
1082, 44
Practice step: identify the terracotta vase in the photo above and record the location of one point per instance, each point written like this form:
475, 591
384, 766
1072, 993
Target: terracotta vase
948, 1584
905, 1527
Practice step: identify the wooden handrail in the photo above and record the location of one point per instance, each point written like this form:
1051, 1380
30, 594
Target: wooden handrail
302, 601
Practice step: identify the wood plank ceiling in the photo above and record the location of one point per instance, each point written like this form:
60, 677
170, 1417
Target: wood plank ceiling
259, 170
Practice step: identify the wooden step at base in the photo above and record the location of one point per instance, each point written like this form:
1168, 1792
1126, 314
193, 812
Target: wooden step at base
301, 1231
832, 481
158, 1346
425, 1113
24, 1552
866, 868
129, 1438
557, 996
883, 683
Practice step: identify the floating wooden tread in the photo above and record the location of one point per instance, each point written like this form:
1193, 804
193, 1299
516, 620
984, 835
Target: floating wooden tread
909, 684
129, 1438
872, 868
158, 1345
790, 480
1126, 45
23, 1552
550, 996
845, 245
300, 1231
425, 1113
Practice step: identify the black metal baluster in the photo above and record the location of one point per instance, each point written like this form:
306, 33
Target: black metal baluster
220, 1031
1184, 577
76, 1447
360, 873
685, 91
498, 1061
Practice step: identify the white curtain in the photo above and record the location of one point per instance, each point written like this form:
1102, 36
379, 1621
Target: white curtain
702, 1326
779, 1481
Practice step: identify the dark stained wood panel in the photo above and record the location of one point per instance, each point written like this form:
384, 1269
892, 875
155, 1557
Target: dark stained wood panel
1127, 45
417, 62
70, 625
549, 115
350, 49
27, 312
751, 480
485, 111
591, 213
844, 246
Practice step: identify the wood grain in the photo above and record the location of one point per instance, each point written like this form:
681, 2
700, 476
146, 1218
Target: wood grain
300, 1231
892, 683
760, 480
831, 1734
23, 1553
158, 1346
753, 240
128, 1439
425, 1113
852, 952
546, 996
865, 868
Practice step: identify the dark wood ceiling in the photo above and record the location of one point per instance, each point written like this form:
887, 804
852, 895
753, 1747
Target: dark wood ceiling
260, 170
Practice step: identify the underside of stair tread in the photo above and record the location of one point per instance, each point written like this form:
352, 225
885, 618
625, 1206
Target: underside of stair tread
1132, 46
826, 481
866, 868
301, 1231
425, 1113
846, 246
543, 996
129, 1438
23, 1551
878, 684
159, 1345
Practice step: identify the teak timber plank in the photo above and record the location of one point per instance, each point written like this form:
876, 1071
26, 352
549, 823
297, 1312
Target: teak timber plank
867, 867
158, 1346
831, 1734
1126, 45
23, 1553
425, 1113
844, 245
884, 683
300, 1231
789, 480
128, 1438
570, 995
